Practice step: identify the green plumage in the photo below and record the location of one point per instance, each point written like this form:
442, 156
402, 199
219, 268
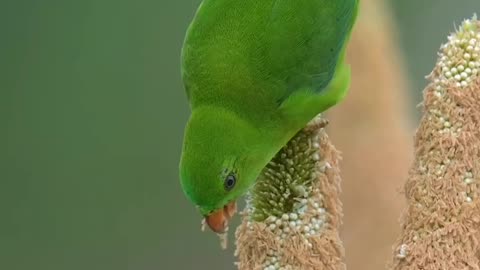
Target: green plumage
255, 73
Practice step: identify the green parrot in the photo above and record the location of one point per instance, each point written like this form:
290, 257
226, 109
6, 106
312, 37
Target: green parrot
255, 73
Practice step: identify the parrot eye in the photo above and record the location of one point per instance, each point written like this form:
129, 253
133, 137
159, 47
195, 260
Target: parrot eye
230, 182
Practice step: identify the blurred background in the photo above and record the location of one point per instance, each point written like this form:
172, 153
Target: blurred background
92, 113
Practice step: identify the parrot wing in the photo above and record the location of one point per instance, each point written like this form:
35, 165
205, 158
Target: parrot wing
306, 41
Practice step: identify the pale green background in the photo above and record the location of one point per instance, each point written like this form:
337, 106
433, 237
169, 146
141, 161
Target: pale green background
92, 112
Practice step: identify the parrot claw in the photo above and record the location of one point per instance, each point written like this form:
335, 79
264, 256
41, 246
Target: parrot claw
316, 124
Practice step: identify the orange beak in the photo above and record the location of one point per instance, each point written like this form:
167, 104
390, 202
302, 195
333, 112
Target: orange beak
218, 220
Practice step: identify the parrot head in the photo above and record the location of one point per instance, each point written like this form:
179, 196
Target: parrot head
218, 163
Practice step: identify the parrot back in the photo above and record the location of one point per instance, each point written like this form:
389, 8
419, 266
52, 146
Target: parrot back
250, 56
307, 41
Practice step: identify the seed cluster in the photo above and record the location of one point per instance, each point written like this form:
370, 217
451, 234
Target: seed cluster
307, 221
460, 57
458, 65
285, 183
296, 220
286, 197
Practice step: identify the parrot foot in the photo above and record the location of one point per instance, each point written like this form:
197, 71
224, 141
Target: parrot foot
317, 123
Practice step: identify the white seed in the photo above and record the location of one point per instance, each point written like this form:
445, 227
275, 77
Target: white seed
402, 252
271, 219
